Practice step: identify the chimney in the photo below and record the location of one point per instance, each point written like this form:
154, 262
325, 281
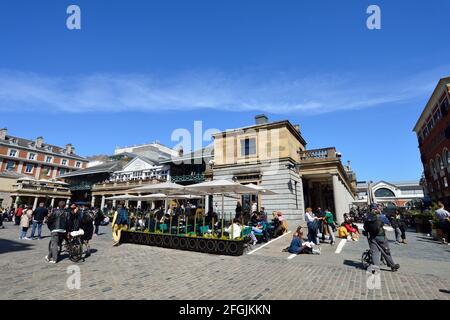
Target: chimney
3, 133
297, 127
69, 148
39, 142
261, 119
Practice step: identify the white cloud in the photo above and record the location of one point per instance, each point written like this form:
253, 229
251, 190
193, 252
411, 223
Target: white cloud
279, 94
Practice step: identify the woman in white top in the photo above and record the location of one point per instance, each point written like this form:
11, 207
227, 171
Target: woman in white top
311, 221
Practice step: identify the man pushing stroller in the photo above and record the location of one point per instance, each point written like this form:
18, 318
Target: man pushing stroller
378, 243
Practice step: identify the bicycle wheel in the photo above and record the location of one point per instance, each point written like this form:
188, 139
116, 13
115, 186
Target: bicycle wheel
366, 259
75, 252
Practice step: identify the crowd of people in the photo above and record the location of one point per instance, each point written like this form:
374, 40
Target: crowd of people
61, 222
256, 225
182, 218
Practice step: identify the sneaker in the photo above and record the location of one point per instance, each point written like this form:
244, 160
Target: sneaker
52, 261
332, 242
255, 242
26, 238
115, 244
46, 259
395, 267
404, 241
398, 243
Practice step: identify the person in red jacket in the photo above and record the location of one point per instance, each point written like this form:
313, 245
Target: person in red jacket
18, 215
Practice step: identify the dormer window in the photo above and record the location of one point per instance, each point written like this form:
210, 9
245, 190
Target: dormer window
64, 162
13, 153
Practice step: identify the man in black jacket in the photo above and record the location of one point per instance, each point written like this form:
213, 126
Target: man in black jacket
38, 219
399, 225
57, 223
378, 243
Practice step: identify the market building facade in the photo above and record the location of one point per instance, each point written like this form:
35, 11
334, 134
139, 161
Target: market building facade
274, 155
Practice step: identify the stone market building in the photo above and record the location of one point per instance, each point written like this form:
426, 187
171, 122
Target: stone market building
274, 155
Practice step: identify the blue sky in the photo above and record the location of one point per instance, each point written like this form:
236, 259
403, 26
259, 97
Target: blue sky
140, 69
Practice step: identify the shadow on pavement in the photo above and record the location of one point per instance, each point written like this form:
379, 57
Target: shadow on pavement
12, 246
444, 291
356, 264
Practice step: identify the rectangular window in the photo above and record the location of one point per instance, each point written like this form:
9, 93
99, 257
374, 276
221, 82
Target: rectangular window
78, 164
430, 125
49, 171
32, 156
29, 168
64, 162
48, 159
248, 147
62, 171
13, 153
10, 165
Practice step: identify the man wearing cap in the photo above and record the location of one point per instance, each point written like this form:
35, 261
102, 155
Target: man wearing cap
373, 226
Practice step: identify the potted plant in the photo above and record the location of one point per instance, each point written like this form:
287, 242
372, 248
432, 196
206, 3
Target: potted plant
437, 232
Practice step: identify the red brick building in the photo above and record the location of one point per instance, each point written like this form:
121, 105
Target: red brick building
37, 162
433, 133
36, 158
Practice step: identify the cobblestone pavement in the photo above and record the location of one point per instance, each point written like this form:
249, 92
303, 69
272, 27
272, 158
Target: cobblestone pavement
141, 272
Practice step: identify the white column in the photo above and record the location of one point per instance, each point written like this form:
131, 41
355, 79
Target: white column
52, 203
338, 200
114, 204
126, 203
16, 202
93, 201
102, 205
20, 167
206, 204
38, 172
54, 171
67, 201
35, 203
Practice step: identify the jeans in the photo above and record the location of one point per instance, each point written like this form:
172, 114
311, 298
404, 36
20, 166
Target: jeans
375, 245
330, 232
37, 224
23, 232
96, 229
53, 253
399, 232
312, 233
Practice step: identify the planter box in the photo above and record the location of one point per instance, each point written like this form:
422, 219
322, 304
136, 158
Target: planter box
181, 242
437, 234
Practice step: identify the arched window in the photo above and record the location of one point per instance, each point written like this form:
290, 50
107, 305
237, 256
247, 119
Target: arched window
439, 163
446, 157
383, 193
432, 168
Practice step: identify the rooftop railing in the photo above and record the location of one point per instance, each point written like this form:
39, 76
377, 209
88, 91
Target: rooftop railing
318, 154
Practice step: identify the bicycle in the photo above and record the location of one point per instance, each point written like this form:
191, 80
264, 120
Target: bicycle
367, 259
73, 246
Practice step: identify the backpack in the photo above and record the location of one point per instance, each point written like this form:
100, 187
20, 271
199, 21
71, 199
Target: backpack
372, 225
